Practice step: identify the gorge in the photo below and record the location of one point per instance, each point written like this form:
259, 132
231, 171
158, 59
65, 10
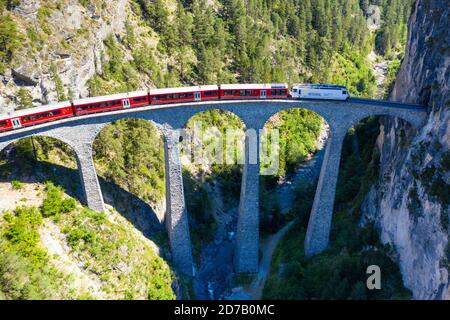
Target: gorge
393, 183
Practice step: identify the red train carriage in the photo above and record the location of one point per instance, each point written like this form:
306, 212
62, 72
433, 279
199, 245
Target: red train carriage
185, 94
30, 117
254, 91
111, 102
141, 98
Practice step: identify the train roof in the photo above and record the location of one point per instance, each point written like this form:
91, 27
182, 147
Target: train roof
319, 86
118, 96
254, 86
184, 89
43, 108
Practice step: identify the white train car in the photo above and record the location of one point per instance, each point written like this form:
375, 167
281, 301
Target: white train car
320, 91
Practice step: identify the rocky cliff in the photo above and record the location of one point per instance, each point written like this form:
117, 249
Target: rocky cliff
61, 49
410, 204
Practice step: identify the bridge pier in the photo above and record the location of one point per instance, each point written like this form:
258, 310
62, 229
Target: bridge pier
247, 238
176, 218
89, 180
319, 225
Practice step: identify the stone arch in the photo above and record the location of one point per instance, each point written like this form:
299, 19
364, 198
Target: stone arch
133, 202
271, 121
319, 226
305, 127
194, 129
160, 170
412, 120
310, 107
216, 108
223, 198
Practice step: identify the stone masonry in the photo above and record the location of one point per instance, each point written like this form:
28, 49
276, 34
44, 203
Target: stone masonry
176, 219
319, 225
247, 244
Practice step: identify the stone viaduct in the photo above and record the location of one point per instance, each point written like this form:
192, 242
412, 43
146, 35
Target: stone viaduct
80, 133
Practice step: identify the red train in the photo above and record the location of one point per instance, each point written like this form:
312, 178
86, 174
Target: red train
52, 112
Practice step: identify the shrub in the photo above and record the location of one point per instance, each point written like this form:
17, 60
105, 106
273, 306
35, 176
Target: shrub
25, 272
54, 203
17, 185
75, 235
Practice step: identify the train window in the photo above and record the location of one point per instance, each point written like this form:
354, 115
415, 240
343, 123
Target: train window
210, 93
140, 99
2, 123
189, 95
245, 93
55, 112
277, 92
176, 96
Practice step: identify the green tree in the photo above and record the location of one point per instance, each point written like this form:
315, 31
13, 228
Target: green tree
10, 39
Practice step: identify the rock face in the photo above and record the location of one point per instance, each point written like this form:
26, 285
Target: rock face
67, 37
410, 204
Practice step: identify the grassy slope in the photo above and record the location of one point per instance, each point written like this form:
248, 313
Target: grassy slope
104, 246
